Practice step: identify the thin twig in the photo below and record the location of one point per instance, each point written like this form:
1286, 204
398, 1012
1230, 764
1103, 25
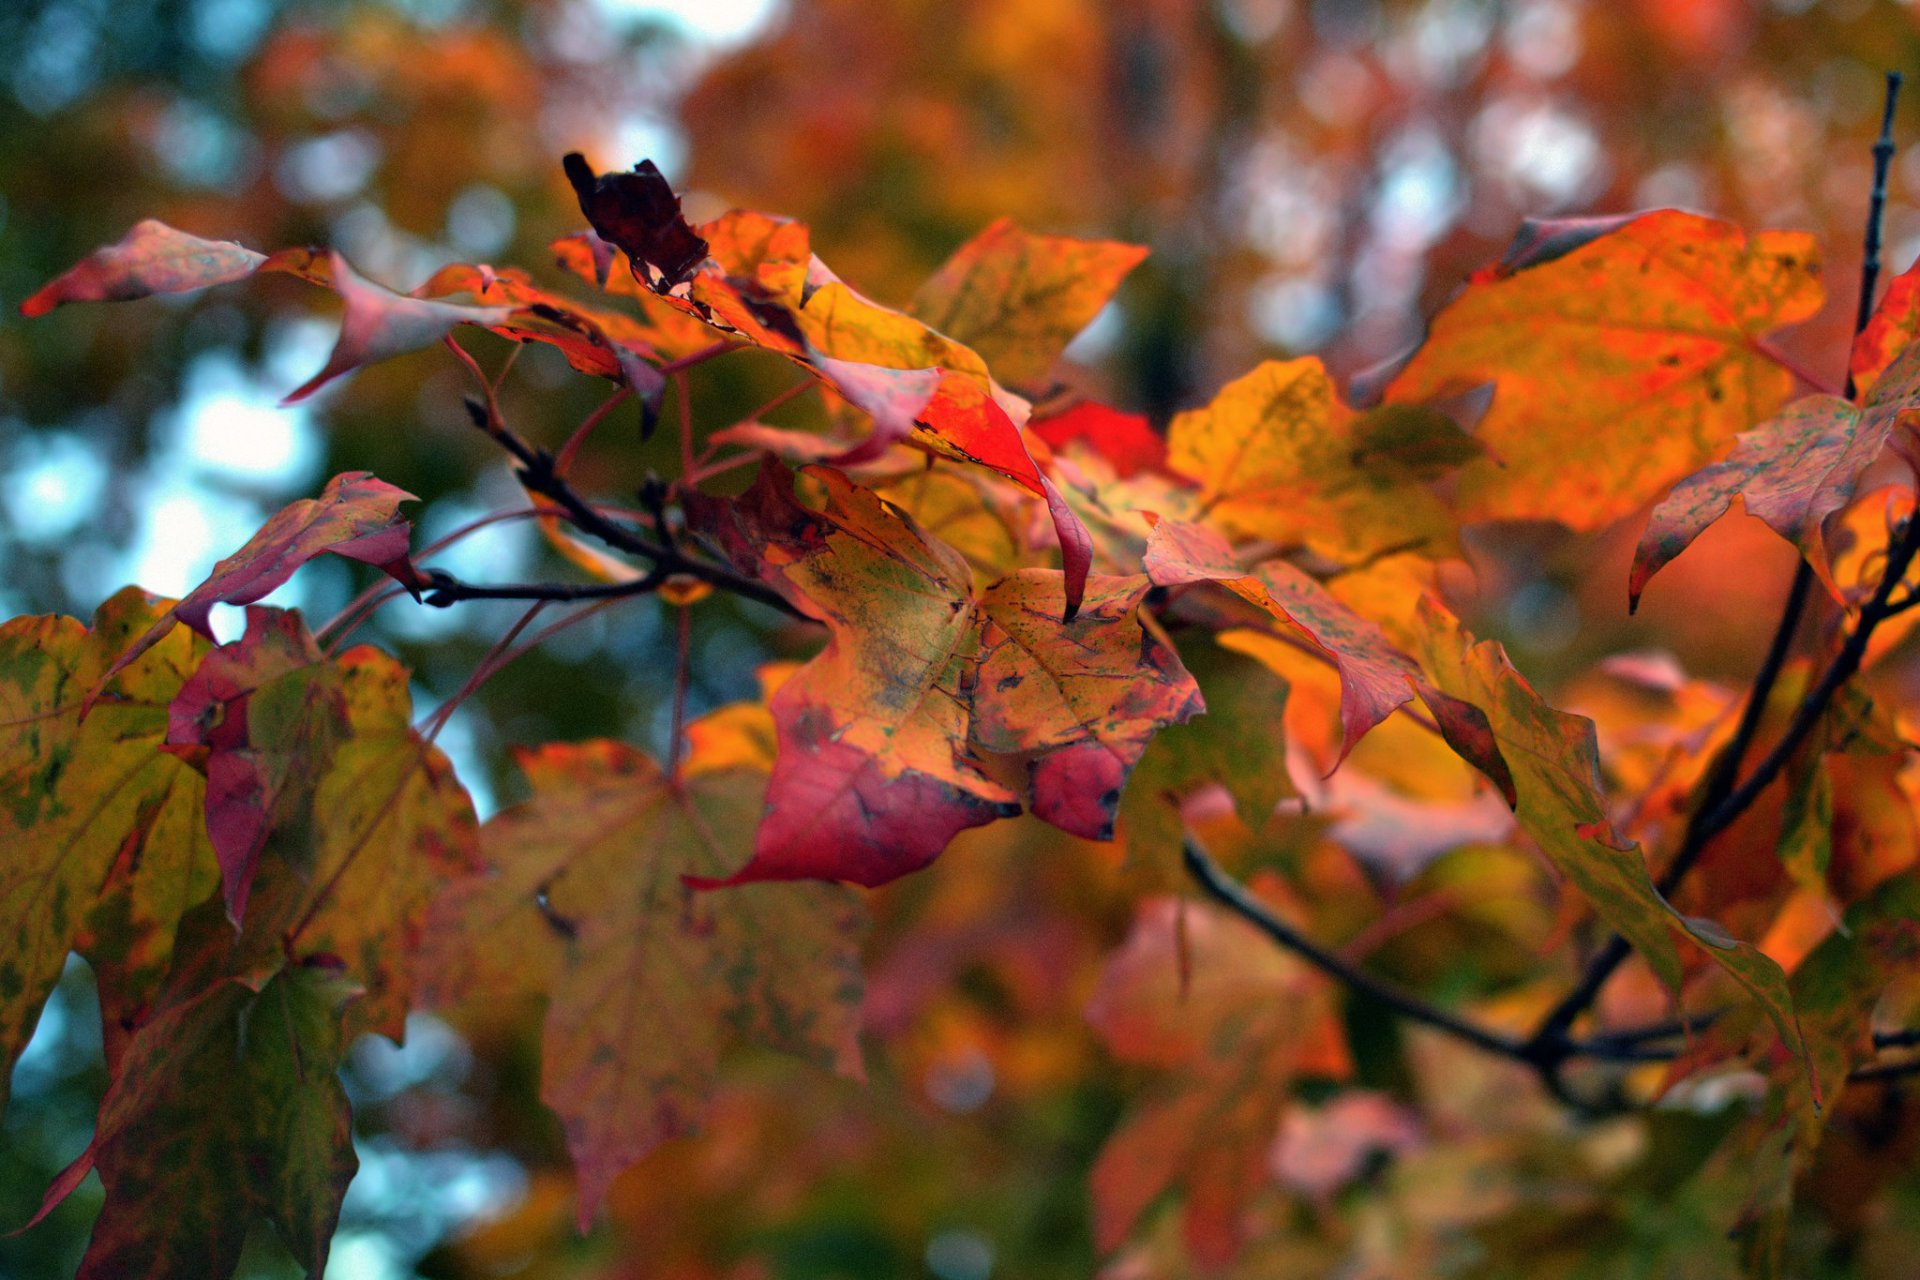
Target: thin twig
1722, 802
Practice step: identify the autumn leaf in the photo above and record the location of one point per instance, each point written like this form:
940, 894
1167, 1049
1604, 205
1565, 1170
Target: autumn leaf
105, 833
268, 712
1889, 331
379, 324
1624, 353
152, 258
227, 1107
873, 777
653, 980
355, 516
1796, 471
878, 764
393, 830
1229, 1041
1279, 457
1235, 744
1019, 298
1375, 677
1123, 439
1555, 762
639, 212
1087, 695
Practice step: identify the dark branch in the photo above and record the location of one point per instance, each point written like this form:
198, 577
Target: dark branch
448, 590
1721, 802
538, 474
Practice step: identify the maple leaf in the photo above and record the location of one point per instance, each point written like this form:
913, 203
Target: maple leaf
151, 258
1555, 763
1624, 352
269, 712
878, 768
1088, 695
639, 212
1235, 744
1018, 298
355, 516
1889, 331
873, 778
1375, 678
226, 1106
106, 844
393, 829
1278, 456
1231, 1022
651, 980
379, 324
1796, 471
1123, 439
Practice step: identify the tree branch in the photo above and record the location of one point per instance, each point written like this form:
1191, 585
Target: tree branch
1721, 802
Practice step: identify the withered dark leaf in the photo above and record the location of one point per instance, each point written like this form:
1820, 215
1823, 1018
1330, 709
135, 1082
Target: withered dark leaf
638, 212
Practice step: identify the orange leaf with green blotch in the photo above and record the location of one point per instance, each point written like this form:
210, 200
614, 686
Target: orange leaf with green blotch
379, 324
652, 981
1231, 1023
266, 712
1278, 456
1624, 353
1555, 761
356, 516
227, 1107
104, 833
152, 258
1795, 471
1889, 332
873, 776
1018, 298
1087, 695
392, 830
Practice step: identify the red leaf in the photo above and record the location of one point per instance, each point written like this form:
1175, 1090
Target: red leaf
355, 516
152, 258
1123, 439
261, 768
639, 212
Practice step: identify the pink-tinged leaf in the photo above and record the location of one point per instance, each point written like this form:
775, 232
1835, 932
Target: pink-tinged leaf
1894, 325
1375, 677
893, 398
152, 258
356, 516
379, 324
638, 212
1076, 548
1123, 439
1796, 471
1087, 695
872, 777
269, 711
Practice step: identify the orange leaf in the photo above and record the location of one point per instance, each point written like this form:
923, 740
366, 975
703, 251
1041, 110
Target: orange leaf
1623, 353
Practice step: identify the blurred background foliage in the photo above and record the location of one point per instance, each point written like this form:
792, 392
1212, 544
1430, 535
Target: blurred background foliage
1312, 175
